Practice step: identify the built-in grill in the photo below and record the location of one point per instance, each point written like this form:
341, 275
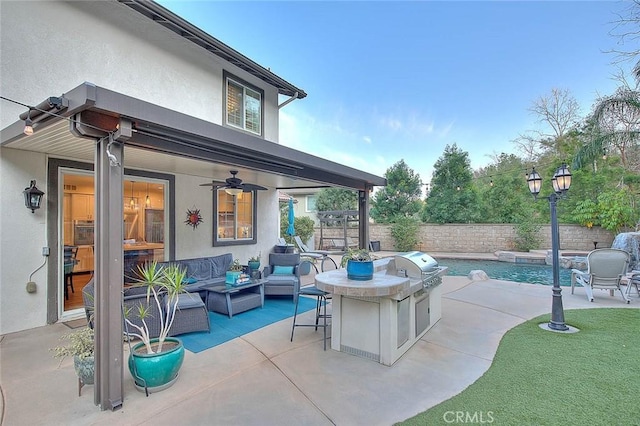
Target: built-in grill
380, 319
420, 268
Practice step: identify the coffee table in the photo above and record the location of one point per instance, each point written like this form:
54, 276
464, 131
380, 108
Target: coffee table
228, 299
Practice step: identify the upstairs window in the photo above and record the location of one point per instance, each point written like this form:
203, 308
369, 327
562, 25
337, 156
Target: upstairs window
235, 218
244, 106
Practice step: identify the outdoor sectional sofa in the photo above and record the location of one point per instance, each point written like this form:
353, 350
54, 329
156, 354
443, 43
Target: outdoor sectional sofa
204, 271
192, 315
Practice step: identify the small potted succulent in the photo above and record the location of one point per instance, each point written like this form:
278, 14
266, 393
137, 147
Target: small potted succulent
81, 347
254, 262
359, 264
234, 272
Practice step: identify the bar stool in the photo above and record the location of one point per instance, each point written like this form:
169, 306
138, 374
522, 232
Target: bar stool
321, 300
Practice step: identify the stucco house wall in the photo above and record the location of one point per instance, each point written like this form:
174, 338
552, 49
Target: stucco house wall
49, 47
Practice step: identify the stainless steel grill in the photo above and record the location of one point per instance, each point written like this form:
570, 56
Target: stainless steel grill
419, 267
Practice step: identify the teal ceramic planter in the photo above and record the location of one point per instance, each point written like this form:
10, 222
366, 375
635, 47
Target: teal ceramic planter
254, 266
156, 370
359, 271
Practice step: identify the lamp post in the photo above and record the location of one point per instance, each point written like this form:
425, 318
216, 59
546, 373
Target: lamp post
561, 182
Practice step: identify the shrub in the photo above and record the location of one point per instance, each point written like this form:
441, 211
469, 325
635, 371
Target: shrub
404, 231
527, 235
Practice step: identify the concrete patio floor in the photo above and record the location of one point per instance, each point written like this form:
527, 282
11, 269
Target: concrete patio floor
264, 379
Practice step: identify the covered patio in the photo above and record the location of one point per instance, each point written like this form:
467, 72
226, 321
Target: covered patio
117, 135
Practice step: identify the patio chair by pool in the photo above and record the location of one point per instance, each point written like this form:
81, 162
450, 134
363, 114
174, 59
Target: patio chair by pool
605, 269
317, 254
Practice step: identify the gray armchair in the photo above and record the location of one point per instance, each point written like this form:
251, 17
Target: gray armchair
282, 275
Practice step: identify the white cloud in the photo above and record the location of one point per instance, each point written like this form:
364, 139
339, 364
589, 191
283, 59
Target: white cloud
367, 139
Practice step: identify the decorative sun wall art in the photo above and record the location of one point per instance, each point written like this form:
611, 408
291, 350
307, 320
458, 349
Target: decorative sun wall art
193, 218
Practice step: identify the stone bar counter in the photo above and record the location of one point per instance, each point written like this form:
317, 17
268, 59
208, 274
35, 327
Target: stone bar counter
380, 319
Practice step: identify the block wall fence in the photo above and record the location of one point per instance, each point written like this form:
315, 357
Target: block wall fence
479, 238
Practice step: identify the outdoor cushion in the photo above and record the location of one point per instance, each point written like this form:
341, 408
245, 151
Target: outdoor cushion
187, 300
282, 270
189, 280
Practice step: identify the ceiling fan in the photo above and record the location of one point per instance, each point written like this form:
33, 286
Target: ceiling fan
233, 185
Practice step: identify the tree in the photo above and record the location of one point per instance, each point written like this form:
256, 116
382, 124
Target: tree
559, 113
614, 126
401, 196
453, 198
503, 190
330, 199
626, 30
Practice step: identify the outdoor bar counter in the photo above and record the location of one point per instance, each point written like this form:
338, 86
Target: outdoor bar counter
380, 319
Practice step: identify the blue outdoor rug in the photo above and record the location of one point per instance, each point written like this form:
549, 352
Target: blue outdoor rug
224, 328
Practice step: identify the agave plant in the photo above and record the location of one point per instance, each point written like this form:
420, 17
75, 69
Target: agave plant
164, 284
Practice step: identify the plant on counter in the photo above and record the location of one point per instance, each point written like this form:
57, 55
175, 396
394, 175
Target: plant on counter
255, 258
356, 255
359, 264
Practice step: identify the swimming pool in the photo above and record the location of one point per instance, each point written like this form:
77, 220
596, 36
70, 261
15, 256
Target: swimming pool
518, 272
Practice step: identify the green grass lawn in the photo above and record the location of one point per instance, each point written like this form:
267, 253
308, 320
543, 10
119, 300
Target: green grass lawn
543, 378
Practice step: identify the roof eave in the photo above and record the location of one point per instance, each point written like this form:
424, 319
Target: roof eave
183, 28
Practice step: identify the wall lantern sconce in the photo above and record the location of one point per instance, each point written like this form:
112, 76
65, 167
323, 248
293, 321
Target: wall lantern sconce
32, 197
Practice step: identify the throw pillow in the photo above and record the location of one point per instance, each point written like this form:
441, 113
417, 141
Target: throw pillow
189, 280
282, 270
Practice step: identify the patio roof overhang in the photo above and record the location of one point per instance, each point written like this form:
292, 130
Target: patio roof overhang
158, 130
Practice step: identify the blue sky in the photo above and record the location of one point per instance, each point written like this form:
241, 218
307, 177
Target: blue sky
400, 80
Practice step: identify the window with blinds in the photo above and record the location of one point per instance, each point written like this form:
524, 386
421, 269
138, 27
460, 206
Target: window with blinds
244, 106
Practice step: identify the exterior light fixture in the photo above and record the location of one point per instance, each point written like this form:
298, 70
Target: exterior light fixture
28, 125
563, 177
233, 191
561, 182
535, 182
32, 197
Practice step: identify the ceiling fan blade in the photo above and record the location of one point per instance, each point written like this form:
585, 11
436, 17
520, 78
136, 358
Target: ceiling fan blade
248, 187
214, 183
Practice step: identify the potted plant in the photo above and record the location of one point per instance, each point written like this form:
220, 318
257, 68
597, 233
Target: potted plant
234, 271
254, 262
359, 264
81, 347
154, 362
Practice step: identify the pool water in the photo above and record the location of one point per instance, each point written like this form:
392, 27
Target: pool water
518, 272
